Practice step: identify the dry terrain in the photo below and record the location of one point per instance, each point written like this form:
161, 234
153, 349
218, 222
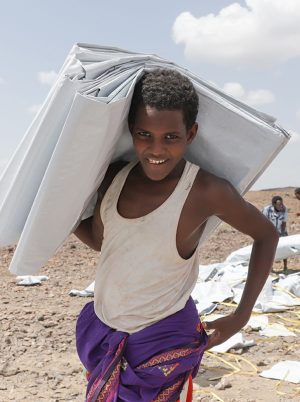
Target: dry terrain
38, 360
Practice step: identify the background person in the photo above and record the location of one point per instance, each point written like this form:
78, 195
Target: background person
297, 195
277, 214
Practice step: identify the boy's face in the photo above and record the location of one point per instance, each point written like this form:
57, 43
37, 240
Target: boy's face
278, 205
160, 138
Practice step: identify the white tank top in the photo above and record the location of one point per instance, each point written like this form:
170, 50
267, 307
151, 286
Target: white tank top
141, 278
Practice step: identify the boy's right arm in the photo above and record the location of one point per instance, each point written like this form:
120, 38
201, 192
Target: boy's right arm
90, 231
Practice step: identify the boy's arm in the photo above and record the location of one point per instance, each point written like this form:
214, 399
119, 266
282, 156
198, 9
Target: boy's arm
90, 231
233, 209
283, 228
284, 222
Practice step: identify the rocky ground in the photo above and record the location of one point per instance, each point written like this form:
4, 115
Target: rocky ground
38, 360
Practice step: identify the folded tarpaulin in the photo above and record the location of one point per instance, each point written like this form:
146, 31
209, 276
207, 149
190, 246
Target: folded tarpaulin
82, 127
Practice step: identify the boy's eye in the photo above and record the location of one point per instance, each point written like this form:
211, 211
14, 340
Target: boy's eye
143, 134
171, 136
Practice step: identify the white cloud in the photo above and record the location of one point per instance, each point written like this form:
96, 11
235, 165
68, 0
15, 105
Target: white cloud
295, 137
298, 113
47, 77
34, 109
234, 89
261, 32
2, 81
253, 98
260, 97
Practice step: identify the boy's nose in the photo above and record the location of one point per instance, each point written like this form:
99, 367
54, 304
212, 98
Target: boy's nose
157, 148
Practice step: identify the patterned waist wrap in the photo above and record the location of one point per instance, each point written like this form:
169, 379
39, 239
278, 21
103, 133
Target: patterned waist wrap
150, 365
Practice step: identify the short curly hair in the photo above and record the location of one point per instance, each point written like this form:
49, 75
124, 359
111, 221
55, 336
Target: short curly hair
165, 89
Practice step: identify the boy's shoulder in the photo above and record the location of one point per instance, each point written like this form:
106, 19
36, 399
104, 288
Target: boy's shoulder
211, 185
112, 170
115, 167
215, 193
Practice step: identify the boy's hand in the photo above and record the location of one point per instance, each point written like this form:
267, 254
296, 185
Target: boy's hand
223, 328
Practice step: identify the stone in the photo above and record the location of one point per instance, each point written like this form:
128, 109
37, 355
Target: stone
223, 384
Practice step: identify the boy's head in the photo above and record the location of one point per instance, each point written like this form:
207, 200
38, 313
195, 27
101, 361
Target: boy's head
165, 89
297, 193
277, 202
162, 122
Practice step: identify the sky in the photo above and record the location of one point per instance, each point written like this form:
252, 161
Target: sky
250, 49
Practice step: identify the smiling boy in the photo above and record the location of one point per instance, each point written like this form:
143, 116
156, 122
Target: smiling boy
141, 339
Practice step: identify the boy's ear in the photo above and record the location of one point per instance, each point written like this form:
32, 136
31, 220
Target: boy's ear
192, 132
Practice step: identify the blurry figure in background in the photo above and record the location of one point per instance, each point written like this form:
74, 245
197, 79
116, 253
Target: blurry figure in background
297, 195
277, 213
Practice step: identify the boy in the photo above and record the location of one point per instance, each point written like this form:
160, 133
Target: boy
277, 214
141, 339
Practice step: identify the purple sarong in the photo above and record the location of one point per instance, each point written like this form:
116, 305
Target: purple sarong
150, 365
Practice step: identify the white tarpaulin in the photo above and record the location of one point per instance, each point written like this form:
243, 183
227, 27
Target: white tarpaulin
82, 127
288, 246
288, 370
223, 281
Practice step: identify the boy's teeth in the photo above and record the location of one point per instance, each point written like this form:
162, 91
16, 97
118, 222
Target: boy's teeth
157, 162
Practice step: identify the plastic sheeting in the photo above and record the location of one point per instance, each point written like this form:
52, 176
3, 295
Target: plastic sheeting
220, 282
288, 246
288, 370
82, 127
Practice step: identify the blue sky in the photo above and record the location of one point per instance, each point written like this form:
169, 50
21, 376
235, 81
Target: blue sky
248, 48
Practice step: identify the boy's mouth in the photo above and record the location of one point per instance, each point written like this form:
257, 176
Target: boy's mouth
156, 161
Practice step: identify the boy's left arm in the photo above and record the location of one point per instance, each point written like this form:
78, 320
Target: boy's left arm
234, 210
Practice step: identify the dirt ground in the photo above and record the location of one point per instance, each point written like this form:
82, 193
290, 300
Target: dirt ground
38, 360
